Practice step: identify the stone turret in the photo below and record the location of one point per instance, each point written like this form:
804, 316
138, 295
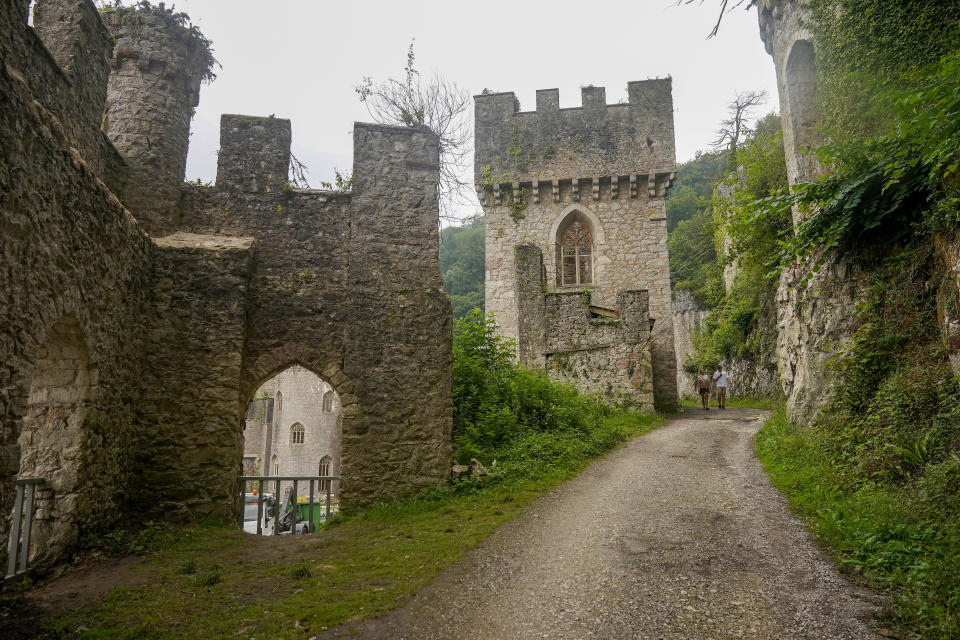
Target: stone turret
158, 64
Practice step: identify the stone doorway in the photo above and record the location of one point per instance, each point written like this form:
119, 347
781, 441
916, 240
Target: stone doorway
293, 427
52, 437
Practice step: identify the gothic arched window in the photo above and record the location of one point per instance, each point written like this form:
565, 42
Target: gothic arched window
324, 469
276, 465
576, 256
279, 403
328, 401
297, 433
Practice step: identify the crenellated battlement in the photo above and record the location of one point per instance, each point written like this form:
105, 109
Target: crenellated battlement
623, 150
254, 153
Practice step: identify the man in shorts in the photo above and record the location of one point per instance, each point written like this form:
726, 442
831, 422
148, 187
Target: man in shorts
721, 380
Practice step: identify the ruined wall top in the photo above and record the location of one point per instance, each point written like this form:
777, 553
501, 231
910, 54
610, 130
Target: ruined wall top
782, 22
161, 43
591, 141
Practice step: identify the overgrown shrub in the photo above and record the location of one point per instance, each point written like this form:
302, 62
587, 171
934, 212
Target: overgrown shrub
524, 421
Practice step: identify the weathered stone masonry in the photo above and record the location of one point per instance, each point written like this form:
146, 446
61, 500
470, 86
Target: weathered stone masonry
605, 168
134, 330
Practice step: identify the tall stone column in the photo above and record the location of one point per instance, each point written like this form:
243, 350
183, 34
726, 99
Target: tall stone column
157, 66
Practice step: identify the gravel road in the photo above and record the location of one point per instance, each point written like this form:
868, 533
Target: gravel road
678, 534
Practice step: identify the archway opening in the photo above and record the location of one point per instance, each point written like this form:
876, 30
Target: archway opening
293, 428
52, 437
802, 101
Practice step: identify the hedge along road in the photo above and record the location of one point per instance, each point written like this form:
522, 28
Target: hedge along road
678, 534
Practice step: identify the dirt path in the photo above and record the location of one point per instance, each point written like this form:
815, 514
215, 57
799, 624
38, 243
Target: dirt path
677, 535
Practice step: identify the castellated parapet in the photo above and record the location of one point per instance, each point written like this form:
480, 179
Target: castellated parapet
598, 172
135, 329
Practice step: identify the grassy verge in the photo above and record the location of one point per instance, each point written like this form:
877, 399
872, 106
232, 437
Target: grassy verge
213, 582
901, 536
734, 402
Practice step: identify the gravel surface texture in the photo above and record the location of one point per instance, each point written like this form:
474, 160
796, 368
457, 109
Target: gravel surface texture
678, 534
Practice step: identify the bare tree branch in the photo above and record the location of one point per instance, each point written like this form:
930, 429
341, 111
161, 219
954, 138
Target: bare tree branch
737, 125
726, 6
298, 173
438, 104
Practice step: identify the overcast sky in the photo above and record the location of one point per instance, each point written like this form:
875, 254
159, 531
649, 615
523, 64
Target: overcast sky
300, 59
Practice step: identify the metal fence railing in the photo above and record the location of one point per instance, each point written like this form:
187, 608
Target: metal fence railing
291, 513
18, 549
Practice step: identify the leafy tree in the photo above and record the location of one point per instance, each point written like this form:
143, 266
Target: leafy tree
693, 260
692, 191
462, 263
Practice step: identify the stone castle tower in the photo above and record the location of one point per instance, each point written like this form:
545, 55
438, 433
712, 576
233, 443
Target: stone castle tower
576, 239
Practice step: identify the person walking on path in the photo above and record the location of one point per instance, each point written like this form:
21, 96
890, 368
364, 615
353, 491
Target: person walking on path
722, 381
703, 388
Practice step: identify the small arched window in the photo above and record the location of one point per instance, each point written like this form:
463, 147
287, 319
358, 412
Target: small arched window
275, 463
328, 401
297, 434
279, 401
576, 256
324, 470
324, 467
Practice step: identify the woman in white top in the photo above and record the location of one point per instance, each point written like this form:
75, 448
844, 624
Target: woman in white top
703, 388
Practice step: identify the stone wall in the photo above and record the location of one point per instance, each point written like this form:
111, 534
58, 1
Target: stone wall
687, 320
69, 254
348, 286
605, 354
190, 444
812, 314
607, 165
127, 362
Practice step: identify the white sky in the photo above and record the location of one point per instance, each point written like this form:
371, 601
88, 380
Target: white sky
300, 59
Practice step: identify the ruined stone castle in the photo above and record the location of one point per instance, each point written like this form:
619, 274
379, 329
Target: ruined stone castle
576, 240
140, 314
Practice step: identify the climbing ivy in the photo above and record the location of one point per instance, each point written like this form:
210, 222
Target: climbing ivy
864, 48
898, 186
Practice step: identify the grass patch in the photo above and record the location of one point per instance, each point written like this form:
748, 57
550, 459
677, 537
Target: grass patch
901, 536
734, 402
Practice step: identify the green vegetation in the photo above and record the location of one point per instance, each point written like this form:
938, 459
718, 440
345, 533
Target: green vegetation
462, 263
743, 321
517, 417
897, 187
893, 522
694, 268
867, 47
215, 581
877, 473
